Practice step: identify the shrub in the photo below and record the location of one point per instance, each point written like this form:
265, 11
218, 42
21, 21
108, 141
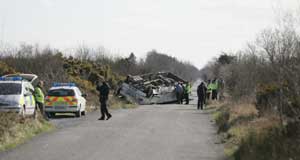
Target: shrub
5, 69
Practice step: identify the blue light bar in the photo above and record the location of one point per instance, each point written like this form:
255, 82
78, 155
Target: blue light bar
11, 78
63, 85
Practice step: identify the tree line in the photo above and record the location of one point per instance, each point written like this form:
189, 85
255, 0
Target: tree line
154, 62
50, 63
266, 72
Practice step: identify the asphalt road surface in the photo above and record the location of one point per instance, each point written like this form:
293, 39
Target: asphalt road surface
158, 132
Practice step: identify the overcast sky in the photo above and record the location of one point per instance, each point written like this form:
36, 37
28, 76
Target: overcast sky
192, 30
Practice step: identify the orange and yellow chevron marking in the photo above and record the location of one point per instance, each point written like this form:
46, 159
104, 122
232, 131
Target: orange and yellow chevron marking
65, 101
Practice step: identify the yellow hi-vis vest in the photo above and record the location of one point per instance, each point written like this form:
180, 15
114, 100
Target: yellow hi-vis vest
209, 87
188, 89
39, 95
214, 86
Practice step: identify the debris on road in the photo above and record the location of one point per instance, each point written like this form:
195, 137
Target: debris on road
153, 88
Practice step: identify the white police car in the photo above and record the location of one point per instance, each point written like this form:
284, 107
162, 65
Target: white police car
16, 94
65, 98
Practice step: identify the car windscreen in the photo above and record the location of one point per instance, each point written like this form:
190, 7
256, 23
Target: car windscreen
10, 88
61, 92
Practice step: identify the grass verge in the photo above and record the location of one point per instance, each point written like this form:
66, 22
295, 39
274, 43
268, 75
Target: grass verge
248, 136
15, 130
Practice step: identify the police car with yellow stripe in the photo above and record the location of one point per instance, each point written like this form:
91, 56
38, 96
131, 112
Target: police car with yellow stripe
65, 98
16, 94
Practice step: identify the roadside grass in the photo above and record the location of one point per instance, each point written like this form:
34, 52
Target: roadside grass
15, 130
248, 136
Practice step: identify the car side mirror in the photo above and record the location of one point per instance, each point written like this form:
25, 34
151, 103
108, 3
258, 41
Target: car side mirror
84, 95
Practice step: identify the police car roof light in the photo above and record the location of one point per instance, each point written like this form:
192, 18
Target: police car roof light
63, 85
11, 78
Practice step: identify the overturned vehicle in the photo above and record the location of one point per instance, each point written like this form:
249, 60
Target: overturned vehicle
154, 88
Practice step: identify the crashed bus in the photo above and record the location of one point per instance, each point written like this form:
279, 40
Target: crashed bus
153, 88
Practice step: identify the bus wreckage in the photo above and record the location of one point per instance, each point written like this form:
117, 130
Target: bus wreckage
153, 88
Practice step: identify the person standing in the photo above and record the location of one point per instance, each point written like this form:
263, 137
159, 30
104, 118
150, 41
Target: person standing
208, 91
179, 93
205, 93
214, 88
182, 93
187, 92
40, 100
201, 92
103, 97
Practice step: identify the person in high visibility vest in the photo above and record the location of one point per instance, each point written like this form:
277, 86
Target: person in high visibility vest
214, 88
40, 99
187, 92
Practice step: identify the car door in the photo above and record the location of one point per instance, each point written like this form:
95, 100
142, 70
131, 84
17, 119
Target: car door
29, 99
82, 100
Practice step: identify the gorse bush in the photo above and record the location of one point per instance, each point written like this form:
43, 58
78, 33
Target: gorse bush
5, 69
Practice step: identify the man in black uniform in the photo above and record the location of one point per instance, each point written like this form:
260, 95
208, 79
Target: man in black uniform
104, 92
201, 92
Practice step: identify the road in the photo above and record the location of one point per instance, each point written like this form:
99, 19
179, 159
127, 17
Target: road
158, 132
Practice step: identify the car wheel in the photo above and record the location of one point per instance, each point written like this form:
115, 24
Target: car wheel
78, 114
50, 114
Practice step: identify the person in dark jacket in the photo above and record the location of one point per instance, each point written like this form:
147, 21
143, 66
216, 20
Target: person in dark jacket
179, 93
205, 91
182, 94
201, 92
104, 93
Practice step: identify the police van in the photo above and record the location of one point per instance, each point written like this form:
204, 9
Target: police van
16, 94
65, 98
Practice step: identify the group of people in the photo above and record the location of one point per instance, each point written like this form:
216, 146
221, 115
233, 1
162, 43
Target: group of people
183, 92
205, 91
209, 91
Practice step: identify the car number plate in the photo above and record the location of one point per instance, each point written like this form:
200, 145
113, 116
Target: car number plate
60, 103
59, 107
